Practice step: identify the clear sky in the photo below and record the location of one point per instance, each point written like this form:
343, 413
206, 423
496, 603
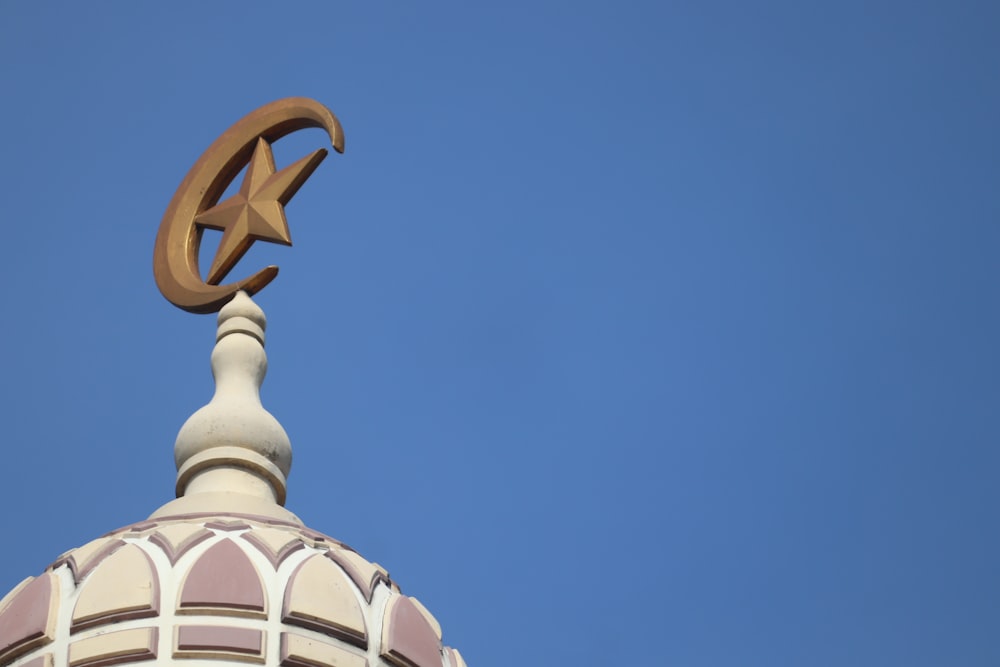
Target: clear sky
622, 332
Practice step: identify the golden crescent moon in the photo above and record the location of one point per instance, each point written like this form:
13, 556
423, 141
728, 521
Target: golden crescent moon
175, 256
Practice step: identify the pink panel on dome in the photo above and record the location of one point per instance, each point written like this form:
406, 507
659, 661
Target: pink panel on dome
408, 640
40, 661
219, 638
25, 622
223, 577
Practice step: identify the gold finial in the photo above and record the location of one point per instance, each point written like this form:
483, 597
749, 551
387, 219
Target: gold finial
255, 213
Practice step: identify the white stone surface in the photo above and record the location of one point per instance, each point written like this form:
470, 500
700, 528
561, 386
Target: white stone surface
233, 445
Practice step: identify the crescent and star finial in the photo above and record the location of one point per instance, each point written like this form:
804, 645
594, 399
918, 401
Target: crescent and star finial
255, 213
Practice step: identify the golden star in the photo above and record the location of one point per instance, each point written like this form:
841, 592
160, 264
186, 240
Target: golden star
256, 212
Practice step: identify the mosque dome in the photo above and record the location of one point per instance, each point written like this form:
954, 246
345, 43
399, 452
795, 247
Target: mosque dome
223, 573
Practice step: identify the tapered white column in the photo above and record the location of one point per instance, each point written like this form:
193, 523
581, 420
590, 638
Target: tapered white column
232, 452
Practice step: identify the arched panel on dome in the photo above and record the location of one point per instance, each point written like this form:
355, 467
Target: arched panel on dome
41, 661
408, 638
364, 574
84, 559
428, 616
223, 580
220, 642
114, 648
28, 616
122, 587
299, 651
319, 596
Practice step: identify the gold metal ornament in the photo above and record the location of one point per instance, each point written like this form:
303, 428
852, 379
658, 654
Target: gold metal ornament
255, 213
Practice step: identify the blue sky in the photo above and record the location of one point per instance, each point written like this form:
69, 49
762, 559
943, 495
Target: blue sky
620, 329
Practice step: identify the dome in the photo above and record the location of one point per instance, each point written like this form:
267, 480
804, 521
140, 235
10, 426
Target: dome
223, 572
219, 587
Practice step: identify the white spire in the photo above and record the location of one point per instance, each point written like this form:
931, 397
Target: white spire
232, 455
